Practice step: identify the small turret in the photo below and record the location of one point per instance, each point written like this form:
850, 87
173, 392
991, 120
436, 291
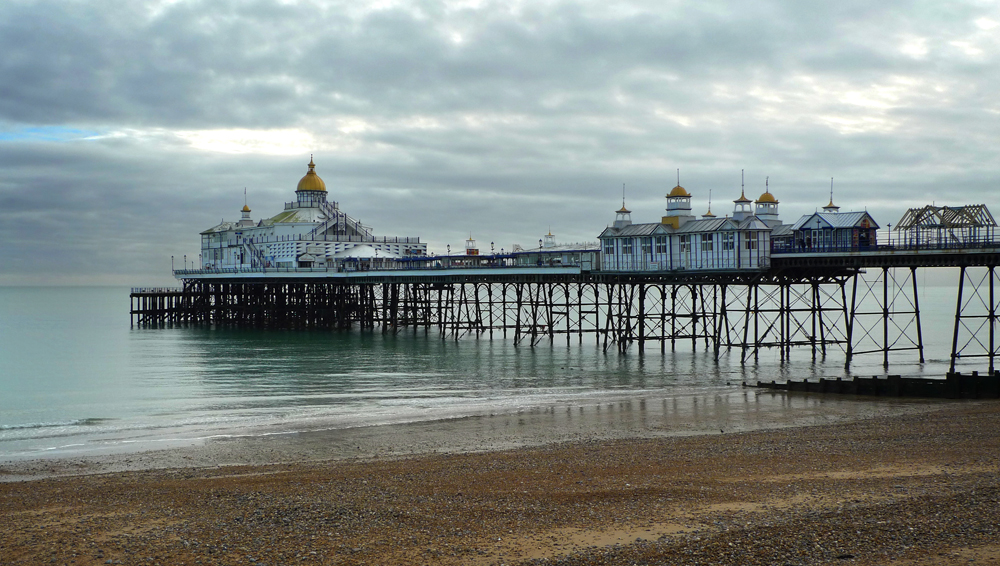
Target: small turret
678, 206
470, 246
549, 241
245, 219
623, 217
767, 207
311, 190
742, 209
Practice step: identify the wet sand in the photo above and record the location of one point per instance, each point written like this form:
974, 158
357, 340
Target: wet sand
815, 481
651, 415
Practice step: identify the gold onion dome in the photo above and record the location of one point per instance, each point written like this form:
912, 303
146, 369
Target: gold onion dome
311, 182
767, 197
678, 191
246, 208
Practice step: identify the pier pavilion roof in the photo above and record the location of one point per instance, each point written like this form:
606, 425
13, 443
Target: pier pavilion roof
767, 197
221, 227
781, 230
838, 220
312, 181
648, 229
678, 191
364, 251
722, 224
295, 215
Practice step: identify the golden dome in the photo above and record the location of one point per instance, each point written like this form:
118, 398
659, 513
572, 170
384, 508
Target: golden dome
311, 182
678, 191
623, 210
767, 197
246, 208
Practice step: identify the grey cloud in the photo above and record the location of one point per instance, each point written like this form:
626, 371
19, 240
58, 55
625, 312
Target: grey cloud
533, 120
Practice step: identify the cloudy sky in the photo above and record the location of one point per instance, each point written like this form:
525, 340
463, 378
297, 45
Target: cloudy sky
128, 127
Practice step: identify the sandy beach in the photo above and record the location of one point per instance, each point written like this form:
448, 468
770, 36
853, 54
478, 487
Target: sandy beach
909, 484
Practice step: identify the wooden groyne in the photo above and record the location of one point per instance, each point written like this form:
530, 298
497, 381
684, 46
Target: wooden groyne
955, 385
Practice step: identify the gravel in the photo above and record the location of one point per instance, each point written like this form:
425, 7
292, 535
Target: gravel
907, 489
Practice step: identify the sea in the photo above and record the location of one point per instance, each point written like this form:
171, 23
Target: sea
77, 379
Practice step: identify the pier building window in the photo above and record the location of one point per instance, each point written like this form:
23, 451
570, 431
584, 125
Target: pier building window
647, 246
751, 241
728, 242
609, 247
627, 246
685, 243
706, 243
661, 244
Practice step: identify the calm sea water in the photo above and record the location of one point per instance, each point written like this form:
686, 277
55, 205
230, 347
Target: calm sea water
76, 378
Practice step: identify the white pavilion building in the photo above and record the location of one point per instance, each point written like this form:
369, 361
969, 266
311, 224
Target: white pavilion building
311, 232
680, 241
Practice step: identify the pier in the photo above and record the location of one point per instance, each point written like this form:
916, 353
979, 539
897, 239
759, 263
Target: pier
744, 282
857, 302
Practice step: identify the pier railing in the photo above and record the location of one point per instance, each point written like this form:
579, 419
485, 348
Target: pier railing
892, 247
156, 290
350, 268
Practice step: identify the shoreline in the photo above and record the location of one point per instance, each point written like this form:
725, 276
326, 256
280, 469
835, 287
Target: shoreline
627, 416
912, 488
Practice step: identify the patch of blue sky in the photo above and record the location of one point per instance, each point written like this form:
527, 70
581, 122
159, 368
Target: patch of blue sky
47, 133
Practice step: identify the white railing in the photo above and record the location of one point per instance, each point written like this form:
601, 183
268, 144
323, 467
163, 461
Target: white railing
334, 217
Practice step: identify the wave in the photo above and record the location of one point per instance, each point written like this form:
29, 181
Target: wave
92, 421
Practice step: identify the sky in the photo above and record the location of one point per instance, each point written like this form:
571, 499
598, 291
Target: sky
126, 128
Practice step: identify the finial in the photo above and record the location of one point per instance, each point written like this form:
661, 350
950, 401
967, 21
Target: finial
678, 176
623, 195
767, 188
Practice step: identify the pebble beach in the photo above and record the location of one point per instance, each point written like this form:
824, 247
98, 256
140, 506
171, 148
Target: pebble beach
915, 487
